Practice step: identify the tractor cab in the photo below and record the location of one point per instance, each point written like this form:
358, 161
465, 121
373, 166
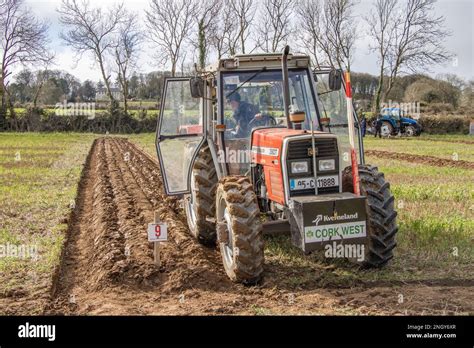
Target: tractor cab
263, 143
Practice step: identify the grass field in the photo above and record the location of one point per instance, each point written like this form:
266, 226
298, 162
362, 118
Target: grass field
448, 147
39, 175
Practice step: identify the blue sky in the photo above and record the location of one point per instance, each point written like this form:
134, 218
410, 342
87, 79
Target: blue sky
459, 16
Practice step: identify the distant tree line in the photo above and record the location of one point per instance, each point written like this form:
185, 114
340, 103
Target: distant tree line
48, 87
446, 92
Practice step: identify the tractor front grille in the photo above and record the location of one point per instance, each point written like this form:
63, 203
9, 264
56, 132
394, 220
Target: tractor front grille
302, 149
299, 149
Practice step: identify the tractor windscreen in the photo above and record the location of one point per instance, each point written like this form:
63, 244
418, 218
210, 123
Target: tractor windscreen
260, 93
394, 113
333, 106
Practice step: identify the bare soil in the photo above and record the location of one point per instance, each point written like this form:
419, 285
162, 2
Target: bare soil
107, 266
427, 138
422, 159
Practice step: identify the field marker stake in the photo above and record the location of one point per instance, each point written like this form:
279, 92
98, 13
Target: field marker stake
156, 246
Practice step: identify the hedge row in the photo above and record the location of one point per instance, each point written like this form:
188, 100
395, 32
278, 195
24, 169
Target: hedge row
41, 121
445, 124
102, 122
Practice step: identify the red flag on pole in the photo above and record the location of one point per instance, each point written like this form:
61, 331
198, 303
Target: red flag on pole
350, 119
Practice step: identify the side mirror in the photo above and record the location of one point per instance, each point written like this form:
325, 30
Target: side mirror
335, 80
196, 85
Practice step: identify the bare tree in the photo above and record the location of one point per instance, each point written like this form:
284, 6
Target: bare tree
310, 14
207, 18
91, 30
127, 46
417, 41
276, 26
41, 77
169, 24
382, 30
338, 32
328, 30
224, 36
23, 41
244, 11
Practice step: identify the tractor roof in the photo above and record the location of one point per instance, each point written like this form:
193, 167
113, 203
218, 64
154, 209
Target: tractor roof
257, 61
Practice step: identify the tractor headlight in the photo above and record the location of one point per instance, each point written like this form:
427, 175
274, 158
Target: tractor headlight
327, 164
299, 167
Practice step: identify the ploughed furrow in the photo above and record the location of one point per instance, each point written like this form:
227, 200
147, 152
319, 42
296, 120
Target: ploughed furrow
113, 253
186, 263
428, 138
133, 215
107, 246
428, 160
107, 265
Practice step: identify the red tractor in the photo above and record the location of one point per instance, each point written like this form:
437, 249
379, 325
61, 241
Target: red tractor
261, 142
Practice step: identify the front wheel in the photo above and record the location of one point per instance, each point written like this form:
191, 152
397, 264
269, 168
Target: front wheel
410, 131
381, 215
200, 204
239, 230
386, 129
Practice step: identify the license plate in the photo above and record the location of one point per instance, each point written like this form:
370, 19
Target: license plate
308, 183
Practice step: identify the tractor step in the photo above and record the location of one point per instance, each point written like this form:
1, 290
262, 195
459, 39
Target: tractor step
274, 228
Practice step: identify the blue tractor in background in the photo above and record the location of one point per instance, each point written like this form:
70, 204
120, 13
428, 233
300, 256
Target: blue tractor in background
395, 121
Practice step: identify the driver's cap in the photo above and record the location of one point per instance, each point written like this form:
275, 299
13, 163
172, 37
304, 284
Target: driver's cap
235, 96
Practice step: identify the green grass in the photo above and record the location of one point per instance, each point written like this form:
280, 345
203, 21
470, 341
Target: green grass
146, 141
39, 175
449, 137
435, 204
438, 147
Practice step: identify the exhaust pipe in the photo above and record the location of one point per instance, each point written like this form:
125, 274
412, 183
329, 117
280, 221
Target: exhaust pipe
286, 85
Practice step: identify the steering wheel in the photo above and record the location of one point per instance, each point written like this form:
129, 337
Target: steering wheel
265, 120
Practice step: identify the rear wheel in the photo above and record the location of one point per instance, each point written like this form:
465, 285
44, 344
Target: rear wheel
200, 204
410, 131
387, 129
381, 215
239, 230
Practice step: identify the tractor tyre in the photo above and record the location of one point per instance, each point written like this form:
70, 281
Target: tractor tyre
410, 131
387, 129
239, 230
381, 215
200, 204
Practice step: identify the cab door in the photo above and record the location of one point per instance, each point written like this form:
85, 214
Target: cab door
180, 133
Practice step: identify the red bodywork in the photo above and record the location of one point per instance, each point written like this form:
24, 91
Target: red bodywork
190, 129
264, 141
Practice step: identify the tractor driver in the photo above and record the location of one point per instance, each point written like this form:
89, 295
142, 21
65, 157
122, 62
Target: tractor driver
243, 114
